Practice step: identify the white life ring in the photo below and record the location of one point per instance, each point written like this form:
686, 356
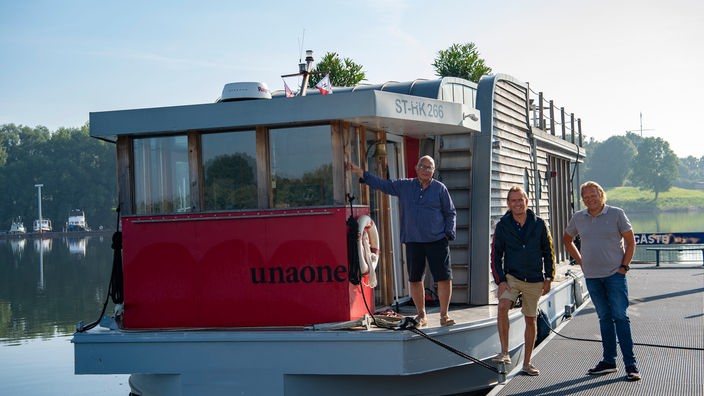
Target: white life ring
368, 244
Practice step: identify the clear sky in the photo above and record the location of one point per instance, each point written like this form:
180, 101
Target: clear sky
607, 61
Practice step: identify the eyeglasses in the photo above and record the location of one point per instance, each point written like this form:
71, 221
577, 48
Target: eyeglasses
426, 168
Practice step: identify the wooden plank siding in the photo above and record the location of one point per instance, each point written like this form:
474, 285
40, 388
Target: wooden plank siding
522, 155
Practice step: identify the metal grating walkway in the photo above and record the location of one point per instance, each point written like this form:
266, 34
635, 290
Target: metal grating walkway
667, 308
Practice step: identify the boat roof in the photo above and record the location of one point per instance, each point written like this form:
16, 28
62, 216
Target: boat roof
413, 112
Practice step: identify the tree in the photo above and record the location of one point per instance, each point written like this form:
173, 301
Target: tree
343, 72
691, 172
610, 161
655, 166
461, 60
76, 170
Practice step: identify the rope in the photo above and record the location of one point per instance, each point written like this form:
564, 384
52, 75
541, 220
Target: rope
635, 343
115, 286
410, 324
450, 348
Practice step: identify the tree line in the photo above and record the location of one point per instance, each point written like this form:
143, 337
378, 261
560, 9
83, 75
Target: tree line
76, 171
647, 163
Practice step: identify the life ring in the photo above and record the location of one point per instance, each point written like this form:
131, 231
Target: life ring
368, 244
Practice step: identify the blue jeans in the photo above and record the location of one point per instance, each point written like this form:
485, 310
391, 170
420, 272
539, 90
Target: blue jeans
610, 298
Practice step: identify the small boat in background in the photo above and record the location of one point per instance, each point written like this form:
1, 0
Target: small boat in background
17, 227
43, 225
77, 221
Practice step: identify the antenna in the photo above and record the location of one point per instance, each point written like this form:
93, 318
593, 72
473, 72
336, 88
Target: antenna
304, 69
641, 126
300, 46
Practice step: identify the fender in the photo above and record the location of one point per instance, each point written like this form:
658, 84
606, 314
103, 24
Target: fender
368, 248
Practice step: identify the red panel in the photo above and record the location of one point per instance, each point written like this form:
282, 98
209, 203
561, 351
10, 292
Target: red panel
265, 268
412, 154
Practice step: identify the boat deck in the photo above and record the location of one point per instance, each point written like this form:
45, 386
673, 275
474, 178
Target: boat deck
667, 309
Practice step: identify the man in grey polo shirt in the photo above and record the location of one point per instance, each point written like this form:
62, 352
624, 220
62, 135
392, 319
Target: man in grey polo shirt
607, 247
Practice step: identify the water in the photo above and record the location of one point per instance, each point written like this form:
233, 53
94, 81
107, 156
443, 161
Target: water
667, 222
47, 286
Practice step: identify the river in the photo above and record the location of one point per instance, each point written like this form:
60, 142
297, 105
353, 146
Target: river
47, 286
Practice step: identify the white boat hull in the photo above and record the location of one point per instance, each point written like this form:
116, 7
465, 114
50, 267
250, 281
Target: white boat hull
310, 361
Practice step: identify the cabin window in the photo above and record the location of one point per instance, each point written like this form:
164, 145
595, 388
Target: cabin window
161, 181
229, 170
301, 166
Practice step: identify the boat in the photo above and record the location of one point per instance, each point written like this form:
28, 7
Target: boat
43, 225
17, 227
237, 250
77, 221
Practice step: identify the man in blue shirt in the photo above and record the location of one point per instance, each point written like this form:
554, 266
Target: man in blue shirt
427, 225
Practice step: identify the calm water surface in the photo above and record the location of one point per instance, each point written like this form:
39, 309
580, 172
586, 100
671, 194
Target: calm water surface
47, 286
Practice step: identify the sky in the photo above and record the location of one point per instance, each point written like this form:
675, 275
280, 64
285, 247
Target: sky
610, 62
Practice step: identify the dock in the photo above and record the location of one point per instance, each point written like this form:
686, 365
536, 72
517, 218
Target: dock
667, 321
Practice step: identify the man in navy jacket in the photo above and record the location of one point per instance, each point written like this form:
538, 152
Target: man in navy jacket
522, 261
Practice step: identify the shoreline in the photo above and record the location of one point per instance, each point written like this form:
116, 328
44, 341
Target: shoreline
55, 234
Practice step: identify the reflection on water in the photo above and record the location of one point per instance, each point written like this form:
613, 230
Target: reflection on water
44, 292
17, 246
48, 290
77, 245
42, 245
667, 222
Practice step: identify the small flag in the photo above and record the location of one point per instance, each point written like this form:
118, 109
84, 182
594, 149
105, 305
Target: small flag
324, 85
289, 92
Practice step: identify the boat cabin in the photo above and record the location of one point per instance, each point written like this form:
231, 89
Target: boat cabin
234, 213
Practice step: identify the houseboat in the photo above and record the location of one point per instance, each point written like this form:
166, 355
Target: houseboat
76, 221
235, 267
17, 227
42, 225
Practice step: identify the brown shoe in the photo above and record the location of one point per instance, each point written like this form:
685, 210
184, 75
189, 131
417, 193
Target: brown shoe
421, 320
501, 358
446, 321
530, 369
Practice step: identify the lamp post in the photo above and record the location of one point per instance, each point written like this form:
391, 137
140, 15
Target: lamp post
39, 201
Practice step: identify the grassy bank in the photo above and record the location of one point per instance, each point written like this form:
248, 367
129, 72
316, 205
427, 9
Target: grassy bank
677, 199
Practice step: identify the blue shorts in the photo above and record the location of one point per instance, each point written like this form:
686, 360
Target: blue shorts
438, 256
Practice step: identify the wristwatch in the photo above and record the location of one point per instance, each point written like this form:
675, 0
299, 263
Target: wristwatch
626, 267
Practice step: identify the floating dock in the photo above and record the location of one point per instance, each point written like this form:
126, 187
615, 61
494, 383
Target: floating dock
667, 321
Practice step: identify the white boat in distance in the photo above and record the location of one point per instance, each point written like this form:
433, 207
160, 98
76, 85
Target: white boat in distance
77, 221
17, 227
42, 226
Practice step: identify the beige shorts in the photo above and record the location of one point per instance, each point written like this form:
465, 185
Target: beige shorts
531, 294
